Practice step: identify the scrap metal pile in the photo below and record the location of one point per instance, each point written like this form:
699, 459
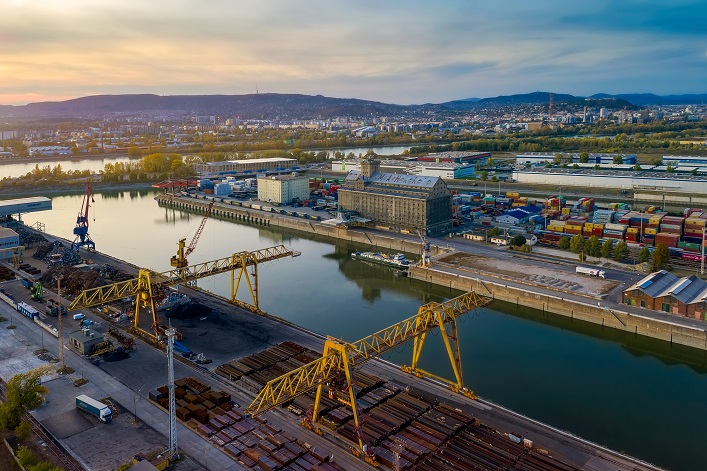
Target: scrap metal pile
29, 238
74, 280
55, 253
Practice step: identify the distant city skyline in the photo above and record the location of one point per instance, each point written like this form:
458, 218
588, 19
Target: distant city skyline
409, 52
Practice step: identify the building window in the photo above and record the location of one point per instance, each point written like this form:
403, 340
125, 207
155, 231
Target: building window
665, 307
643, 303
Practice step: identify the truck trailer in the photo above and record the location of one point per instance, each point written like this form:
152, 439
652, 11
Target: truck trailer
591, 272
94, 407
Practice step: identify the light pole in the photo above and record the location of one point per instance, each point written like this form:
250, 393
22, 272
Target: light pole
702, 259
61, 329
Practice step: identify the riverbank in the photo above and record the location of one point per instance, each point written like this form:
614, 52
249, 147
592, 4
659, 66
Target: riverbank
674, 329
72, 188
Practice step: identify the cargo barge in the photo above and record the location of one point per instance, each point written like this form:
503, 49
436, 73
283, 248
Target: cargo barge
396, 261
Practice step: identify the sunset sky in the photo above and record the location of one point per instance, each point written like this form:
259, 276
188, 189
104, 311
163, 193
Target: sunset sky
395, 52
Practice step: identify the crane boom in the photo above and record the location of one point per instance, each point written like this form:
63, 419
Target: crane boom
134, 286
180, 259
197, 234
322, 370
147, 286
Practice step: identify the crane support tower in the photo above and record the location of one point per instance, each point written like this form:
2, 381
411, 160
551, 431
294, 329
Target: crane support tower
180, 260
83, 239
149, 287
339, 358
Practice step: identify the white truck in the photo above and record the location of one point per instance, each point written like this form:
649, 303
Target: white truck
591, 272
94, 408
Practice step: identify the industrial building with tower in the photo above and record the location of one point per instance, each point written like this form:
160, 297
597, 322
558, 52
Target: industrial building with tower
397, 201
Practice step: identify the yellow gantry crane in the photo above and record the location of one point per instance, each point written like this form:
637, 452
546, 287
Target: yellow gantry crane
340, 356
149, 286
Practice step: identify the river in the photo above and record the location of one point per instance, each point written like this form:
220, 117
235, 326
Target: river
96, 164
635, 395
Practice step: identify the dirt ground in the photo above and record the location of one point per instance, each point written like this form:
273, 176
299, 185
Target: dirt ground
525, 271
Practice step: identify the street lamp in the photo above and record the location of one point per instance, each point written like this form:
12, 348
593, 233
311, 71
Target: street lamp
702, 259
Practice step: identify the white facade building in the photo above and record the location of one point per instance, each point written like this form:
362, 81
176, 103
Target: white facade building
8, 239
283, 189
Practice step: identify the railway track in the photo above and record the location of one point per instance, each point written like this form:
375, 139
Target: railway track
53, 447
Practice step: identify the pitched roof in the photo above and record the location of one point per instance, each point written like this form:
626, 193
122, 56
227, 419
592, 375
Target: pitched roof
688, 290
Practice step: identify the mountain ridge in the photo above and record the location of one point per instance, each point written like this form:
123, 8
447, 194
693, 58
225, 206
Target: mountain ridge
300, 106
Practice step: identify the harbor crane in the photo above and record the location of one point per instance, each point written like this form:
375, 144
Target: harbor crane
339, 358
150, 286
425, 251
83, 239
180, 259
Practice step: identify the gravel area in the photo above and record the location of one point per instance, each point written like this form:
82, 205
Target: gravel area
560, 277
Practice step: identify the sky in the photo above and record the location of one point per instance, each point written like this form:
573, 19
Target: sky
392, 51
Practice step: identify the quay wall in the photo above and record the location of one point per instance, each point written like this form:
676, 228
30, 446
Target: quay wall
254, 216
585, 311
592, 312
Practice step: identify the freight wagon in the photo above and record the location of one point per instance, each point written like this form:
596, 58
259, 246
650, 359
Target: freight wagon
691, 256
27, 310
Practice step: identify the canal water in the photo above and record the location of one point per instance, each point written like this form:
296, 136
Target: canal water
635, 395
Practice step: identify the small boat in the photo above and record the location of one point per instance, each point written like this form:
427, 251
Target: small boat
396, 261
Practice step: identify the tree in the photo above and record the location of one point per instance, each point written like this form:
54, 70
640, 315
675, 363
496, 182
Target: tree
607, 249
577, 243
564, 243
644, 254
24, 392
660, 258
618, 159
494, 232
637, 167
484, 175
620, 251
592, 247
583, 158
518, 240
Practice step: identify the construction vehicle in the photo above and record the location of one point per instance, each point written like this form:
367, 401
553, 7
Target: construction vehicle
83, 239
180, 259
36, 291
425, 258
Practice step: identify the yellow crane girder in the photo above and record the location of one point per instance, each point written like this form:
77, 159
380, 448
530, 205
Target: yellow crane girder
338, 353
144, 286
340, 356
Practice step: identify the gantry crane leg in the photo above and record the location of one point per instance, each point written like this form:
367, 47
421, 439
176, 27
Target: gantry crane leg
145, 297
451, 344
330, 345
246, 260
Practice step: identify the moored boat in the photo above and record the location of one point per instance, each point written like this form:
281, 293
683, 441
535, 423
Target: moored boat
396, 261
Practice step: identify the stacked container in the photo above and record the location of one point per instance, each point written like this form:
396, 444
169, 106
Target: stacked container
693, 228
615, 231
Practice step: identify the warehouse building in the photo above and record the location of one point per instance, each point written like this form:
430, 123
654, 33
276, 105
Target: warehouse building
8, 239
214, 169
397, 202
624, 180
663, 291
443, 169
685, 161
283, 189
459, 157
11, 211
538, 158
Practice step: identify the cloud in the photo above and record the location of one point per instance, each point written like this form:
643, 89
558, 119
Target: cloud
394, 51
